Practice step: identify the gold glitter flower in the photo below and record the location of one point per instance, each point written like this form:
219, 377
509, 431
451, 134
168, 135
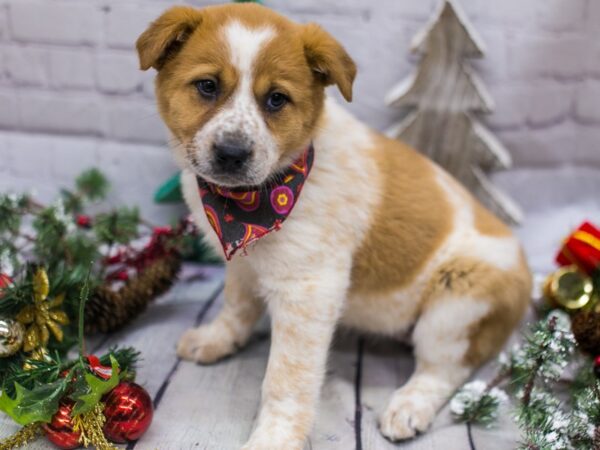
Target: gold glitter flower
43, 316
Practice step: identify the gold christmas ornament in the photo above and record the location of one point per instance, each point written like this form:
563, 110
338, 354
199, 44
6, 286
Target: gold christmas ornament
569, 288
44, 316
90, 425
11, 337
39, 354
25, 435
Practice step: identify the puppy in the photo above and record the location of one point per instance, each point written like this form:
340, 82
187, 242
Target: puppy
323, 220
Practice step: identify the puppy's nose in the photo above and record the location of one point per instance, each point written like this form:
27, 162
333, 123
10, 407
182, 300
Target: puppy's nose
230, 157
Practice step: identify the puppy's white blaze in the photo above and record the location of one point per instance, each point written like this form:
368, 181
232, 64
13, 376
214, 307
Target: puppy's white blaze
245, 43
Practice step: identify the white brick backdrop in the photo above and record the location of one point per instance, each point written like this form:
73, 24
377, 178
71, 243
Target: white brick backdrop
71, 94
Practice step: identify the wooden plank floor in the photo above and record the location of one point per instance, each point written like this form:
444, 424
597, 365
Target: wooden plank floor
213, 407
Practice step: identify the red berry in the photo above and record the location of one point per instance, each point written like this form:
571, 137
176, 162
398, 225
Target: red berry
84, 221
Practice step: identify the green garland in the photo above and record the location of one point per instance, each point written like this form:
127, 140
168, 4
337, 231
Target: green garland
532, 374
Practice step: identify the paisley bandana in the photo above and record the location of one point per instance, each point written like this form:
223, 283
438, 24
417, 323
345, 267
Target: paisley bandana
240, 217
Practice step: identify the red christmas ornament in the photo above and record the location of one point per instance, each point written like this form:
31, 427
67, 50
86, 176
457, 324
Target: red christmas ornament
60, 429
582, 248
5, 281
128, 411
597, 366
84, 221
104, 372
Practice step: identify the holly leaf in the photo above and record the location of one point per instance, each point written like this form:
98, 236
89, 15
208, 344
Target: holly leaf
89, 391
36, 405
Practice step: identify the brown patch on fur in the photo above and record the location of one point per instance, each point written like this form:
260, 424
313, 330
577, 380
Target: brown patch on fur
487, 223
507, 292
412, 220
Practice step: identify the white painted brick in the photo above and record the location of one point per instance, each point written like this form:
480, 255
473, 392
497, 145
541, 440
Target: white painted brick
560, 57
56, 22
26, 66
71, 156
493, 66
587, 103
148, 84
48, 112
151, 162
542, 147
331, 7
593, 18
505, 12
32, 156
9, 114
561, 15
71, 69
3, 23
537, 105
125, 23
511, 106
118, 73
592, 65
136, 121
587, 147
549, 103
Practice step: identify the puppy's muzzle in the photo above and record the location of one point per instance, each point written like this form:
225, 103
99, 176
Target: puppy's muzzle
231, 156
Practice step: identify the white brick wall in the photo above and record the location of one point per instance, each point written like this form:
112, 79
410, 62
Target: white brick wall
68, 69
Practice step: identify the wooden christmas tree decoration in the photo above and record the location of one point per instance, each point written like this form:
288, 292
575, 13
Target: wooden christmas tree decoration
441, 98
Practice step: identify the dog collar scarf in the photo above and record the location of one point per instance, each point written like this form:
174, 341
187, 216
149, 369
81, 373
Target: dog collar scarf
240, 216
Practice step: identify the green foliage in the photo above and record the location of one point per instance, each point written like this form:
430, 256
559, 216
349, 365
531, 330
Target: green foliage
548, 417
11, 207
119, 226
476, 403
36, 405
89, 389
126, 357
92, 185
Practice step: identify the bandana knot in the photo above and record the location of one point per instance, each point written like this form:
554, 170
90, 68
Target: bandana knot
242, 216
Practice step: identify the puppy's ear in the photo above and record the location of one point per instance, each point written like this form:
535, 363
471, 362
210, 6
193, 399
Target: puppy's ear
166, 35
328, 59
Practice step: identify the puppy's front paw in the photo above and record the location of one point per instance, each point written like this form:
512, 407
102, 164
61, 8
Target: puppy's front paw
206, 344
272, 442
407, 414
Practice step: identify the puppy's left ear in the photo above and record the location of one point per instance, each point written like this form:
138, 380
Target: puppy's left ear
166, 35
328, 59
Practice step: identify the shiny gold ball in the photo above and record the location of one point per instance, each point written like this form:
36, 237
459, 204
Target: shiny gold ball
569, 289
11, 337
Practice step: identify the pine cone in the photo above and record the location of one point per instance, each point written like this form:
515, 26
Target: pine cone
586, 328
107, 310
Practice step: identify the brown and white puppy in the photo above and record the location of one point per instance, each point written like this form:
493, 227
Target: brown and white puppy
381, 239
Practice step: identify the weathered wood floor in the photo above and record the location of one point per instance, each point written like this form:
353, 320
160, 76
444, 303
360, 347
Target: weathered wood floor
213, 407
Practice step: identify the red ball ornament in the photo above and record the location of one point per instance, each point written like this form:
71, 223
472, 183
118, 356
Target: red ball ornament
60, 429
128, 411
5, 281
84, 221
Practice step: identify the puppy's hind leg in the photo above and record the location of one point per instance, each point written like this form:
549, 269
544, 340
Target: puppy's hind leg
441, 339
231, 328
467, 319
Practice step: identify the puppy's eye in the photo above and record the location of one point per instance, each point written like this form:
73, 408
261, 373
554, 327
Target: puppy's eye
207, 88
276, 101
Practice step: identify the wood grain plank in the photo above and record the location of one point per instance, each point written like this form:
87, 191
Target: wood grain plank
211, 407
